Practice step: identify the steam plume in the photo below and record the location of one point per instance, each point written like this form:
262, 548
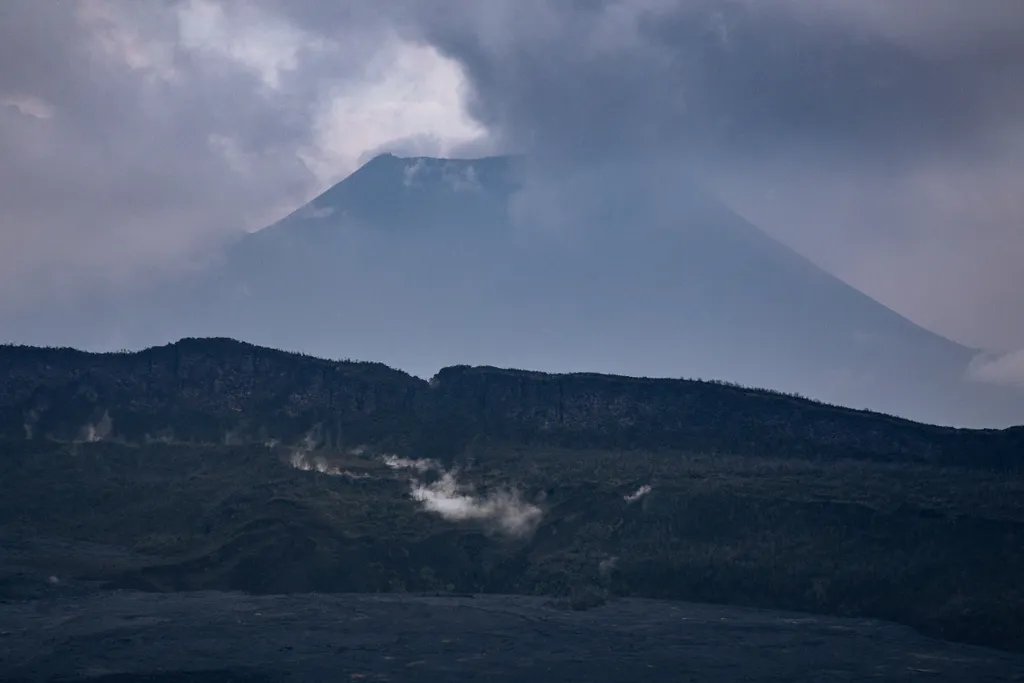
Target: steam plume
303, 460
97, 431
503, 511
638, 494
421, 465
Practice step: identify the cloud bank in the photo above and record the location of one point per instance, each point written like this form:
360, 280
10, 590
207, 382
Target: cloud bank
1006, 369
883, 139
137, 137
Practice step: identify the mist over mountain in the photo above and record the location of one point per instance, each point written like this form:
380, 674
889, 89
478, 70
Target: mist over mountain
422, 263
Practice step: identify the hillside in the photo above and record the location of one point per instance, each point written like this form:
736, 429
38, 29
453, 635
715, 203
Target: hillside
214, 464
426, 263
206, 391
223, 391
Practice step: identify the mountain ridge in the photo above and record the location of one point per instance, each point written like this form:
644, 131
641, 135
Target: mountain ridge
225, 391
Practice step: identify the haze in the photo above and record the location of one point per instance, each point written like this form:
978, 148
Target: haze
658, 146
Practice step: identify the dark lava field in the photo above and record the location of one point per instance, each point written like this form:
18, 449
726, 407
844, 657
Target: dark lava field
124, 636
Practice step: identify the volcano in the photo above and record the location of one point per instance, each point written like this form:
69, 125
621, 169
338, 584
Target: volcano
423, 263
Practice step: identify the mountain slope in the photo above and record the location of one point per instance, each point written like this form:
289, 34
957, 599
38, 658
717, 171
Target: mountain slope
522, 269
422, 263
211, 464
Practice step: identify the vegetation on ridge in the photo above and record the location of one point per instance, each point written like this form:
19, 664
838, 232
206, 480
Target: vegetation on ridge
184, 455
223, 391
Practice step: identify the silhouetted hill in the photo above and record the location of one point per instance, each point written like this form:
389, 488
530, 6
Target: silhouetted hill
199, 390
223, 391
607, 411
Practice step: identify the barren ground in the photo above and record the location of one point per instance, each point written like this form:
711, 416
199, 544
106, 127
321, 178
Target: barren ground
214, 636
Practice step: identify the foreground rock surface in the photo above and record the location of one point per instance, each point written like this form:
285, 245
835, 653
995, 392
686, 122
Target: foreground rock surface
212, 636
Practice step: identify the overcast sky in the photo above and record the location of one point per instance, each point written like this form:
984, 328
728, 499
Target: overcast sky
882, 138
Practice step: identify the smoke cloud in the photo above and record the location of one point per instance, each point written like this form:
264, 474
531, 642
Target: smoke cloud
422, 465
638, 494
1006, 369
96, 431
607, 565
302, 459
502, 511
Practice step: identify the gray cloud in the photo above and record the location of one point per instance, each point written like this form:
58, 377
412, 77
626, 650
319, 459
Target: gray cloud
735, 76
1007, 369
135, 134
427, 145
883, 138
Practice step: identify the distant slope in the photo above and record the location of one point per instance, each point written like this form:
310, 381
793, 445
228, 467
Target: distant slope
423, 263
220, 391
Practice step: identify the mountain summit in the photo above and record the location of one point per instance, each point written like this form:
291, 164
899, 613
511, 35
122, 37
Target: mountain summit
394, 192
423, 263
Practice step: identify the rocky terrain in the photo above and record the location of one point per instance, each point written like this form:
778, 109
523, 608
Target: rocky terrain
216, 465
221, 637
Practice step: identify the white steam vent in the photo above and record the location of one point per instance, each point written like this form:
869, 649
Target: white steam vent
302, 460
638, 494
503, 511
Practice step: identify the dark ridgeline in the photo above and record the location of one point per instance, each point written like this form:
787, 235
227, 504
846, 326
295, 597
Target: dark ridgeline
224, 391
200, 391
